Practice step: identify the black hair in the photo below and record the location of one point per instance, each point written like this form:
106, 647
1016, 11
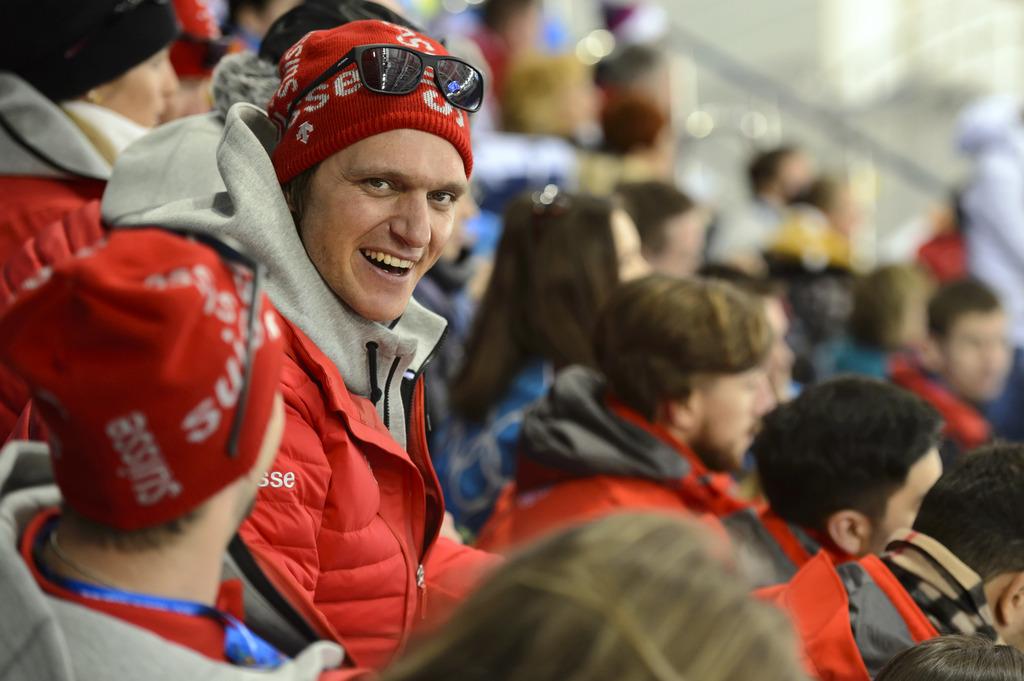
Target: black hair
765, 166
652, 204
976, 510
956, 658
847, 443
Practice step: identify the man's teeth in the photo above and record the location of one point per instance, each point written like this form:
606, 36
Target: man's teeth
388, 259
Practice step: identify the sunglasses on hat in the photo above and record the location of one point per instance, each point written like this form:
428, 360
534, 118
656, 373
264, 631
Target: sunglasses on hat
395, 70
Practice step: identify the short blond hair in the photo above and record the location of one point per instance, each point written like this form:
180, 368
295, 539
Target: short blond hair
630, 597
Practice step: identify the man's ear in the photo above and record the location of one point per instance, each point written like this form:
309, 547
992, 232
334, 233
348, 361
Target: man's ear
851, 531
1008, 602
684, 415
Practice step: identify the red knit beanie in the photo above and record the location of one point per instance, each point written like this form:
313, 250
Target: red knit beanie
134, 355
341, 112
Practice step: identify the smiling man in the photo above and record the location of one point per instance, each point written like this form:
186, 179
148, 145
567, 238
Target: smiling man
348, 191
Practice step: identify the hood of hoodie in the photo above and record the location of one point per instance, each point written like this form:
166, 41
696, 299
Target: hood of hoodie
43, 638
572, 431
38, 139
146, 189
992, 121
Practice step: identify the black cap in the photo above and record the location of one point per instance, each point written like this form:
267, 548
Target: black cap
318, 15
64, 49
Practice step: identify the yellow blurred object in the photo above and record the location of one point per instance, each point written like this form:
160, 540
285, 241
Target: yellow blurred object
806, 236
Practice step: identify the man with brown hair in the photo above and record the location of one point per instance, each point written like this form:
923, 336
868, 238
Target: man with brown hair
672, 227
964, 364
673, 409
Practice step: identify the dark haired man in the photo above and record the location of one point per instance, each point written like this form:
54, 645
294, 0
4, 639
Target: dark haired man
843, 466
671, 226
775, 177
670, 415
965, 362
960, 570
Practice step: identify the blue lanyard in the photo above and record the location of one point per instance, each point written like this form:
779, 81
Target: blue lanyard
241, 646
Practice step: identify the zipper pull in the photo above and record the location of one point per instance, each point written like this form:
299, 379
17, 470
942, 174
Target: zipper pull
421, 584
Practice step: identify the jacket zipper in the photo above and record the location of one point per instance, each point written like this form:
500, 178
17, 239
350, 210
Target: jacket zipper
371, 358
387, 393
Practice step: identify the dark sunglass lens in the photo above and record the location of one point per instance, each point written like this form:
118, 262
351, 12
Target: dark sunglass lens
461, 83
391, 70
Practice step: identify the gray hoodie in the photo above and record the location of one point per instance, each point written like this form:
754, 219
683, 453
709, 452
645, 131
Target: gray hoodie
145, 189
571, 430
43, 638
37, 139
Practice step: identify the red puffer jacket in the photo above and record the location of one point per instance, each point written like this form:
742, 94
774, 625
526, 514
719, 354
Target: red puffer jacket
28, 204
351, 517
47, 246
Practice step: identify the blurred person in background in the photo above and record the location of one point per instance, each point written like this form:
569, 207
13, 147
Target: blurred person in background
944, 253
561, 255
672, 227
842, 466
627, 598
194, 55
509, 29
661, 423
956, 658
964, 364
958, 570
249, 20
889, 318
79, 82
990, 132
636, 69
775, 177
637, 146
550, 95
811, 253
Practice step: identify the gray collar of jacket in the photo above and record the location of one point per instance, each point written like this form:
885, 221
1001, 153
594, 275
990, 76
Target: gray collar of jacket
37, 139
43, 638
252, 210
572, 430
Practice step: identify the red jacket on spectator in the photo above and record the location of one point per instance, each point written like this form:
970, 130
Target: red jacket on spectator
818, 600
582, 456
853, 618
52, 244
779, 548
351, 516
965, 427
48, 166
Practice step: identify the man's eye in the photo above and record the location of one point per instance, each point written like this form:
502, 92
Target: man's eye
444, 198
377, 183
